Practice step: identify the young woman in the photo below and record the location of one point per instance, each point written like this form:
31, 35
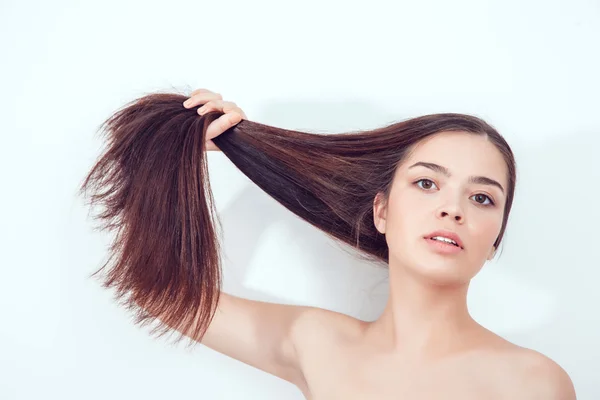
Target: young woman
428, 197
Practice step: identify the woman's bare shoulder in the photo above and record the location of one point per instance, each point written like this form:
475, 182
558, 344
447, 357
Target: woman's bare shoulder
322, 324
533, 372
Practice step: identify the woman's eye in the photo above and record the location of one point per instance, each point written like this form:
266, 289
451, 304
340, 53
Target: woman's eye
491, 203
479, 196
424, 180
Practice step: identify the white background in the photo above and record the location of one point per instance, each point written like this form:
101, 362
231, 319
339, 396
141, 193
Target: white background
530, 68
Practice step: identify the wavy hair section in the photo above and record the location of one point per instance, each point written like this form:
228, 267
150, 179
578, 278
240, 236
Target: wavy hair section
153, 184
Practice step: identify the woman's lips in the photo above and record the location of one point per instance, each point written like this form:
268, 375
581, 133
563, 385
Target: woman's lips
443, 247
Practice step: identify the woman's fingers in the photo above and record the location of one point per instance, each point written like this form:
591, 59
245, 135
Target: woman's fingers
201, 98
200, 91
222, 123
221, 105
212, 101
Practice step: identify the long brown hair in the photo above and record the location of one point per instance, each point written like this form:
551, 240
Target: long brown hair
152, 180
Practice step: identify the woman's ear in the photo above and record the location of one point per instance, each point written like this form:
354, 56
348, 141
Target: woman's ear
379, 212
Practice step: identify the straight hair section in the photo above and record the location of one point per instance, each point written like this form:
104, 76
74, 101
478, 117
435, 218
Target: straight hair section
153, 185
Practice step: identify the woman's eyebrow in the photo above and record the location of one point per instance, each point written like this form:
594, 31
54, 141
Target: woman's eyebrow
482, 180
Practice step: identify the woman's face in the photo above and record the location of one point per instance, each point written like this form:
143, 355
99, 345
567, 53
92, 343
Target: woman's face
423, 200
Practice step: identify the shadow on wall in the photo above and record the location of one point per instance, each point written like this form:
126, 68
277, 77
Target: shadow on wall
303, 265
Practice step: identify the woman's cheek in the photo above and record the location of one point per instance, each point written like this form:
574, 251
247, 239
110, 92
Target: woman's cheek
489, 230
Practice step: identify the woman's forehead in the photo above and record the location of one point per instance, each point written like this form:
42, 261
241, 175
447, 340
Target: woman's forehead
457, 154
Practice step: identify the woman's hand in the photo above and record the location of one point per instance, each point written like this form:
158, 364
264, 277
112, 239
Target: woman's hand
214, 102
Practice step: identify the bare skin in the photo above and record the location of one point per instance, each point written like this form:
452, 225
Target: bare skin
339, 361
425, 344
